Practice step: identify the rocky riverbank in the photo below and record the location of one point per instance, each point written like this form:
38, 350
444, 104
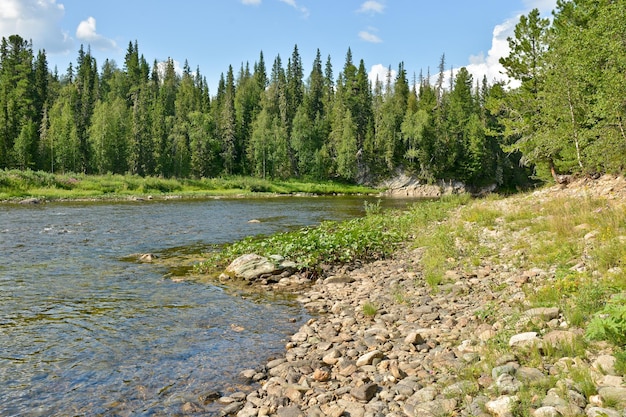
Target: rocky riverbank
385, 342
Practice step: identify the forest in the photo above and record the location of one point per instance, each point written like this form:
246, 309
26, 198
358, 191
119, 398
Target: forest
565, 114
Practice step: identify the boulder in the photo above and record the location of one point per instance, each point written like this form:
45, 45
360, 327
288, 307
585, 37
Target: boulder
252, 266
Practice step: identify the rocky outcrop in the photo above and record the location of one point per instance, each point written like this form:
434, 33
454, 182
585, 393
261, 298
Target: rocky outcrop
406, 186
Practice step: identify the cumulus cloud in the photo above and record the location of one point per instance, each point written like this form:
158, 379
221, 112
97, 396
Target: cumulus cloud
36, 20
86, 32
368, 36
489, 66
372, 7
379, 72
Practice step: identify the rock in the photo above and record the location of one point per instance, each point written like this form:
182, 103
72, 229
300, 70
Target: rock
147, 257
339, 279
507, 384
524, 339
605, 364
289, 411
502, 406
250, 267
30, 201
321, 375
254, 221
559, 338
548, 411
602, 412
613, 395
414, 338
231, 408
365, 392
544, 313
369, 357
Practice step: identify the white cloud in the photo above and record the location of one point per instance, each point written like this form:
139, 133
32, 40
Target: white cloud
293, 4
489, 66
251, 2
36, 20
369, 37
379, 72
86, 31
371, 6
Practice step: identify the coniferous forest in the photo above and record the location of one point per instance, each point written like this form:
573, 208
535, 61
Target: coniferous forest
566, 114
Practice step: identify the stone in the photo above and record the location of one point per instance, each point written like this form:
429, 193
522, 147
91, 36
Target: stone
414, 338
602, 412
369, 357
605, 364
502, 406
250, 267
365, 392
544, 313
613, 394
547, 411
321, 375
529, 375
524, 339
507, 384
289, 411
560, 337
231, 408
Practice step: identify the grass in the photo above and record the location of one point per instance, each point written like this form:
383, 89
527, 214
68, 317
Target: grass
15, 184
369, 309
375, 236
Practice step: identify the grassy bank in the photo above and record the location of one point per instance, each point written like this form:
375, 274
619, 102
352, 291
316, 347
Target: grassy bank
15, 185
573, 246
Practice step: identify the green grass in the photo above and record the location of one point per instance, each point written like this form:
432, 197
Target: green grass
15, 184
375, 236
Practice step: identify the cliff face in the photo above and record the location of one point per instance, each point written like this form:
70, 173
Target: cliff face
404, 186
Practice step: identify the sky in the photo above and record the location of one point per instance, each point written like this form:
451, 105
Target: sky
213, 34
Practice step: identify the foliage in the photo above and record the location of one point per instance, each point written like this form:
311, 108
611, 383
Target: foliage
610, 322
371, 237
17, 184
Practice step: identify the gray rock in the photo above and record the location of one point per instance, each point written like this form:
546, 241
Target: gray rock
544, 313
602, 412
502, 406
547, 411
365, 392
524, 339
605, 364
250, 267
369, 357
614, 394
289, 411
231, 408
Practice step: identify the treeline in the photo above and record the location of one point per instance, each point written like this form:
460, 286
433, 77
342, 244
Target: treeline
566, 116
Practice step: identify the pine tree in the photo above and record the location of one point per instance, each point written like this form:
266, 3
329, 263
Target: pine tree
17, 94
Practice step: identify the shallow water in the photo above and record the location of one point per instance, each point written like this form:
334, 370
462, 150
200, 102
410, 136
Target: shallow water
85, 332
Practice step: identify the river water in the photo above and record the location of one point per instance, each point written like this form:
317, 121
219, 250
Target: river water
85, 331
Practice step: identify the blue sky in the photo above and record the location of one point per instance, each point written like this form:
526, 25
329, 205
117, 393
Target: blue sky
214, 34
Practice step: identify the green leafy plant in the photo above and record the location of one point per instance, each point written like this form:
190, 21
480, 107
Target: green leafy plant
610, 322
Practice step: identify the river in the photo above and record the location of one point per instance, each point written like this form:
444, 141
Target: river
85, 331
